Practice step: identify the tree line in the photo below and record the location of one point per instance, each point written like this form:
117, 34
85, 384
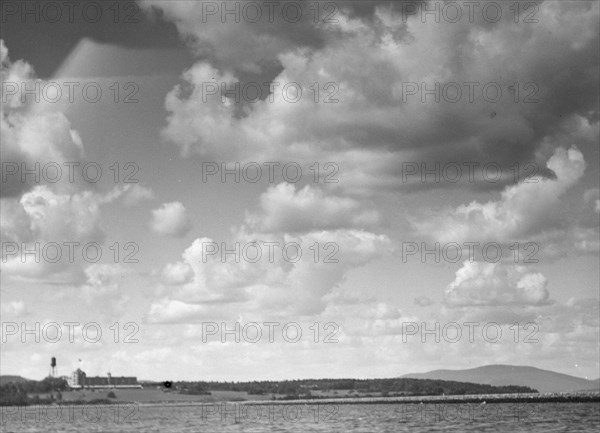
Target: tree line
304, 388
20, 393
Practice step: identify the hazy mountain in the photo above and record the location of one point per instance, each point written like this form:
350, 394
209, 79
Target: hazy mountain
542, 380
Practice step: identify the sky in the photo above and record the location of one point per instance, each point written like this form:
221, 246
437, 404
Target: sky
409, 186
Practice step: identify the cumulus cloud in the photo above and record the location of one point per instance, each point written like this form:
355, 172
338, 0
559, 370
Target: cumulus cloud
176, 273
171, 219
278, 284
522, 211
63, 233
288, 257
370, 55
285, 209
102, 280
36, 210
54, 217
480, 284
42, 218
30, 135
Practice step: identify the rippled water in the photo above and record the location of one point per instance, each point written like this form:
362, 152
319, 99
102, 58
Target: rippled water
359, 418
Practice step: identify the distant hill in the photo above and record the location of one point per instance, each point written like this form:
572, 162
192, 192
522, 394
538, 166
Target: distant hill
4, 379
503, 375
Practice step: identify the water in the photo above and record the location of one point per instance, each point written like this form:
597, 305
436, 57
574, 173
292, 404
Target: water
357, 418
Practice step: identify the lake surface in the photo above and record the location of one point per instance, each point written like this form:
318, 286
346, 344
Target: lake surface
305, 418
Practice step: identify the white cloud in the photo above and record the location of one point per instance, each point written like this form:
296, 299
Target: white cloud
102, 280
60, 216
136, 194
369, 133
176, 273
321, 227
481, 284
42, 217
171, 220
523, 210
173, 311
31, 135
264, 288
370, 55
284, 209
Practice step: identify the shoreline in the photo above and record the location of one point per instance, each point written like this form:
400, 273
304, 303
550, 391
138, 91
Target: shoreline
565, 397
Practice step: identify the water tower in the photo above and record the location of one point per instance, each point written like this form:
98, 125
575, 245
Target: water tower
53, 372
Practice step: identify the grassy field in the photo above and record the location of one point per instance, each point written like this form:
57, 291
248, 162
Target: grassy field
150, 395
154, 395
